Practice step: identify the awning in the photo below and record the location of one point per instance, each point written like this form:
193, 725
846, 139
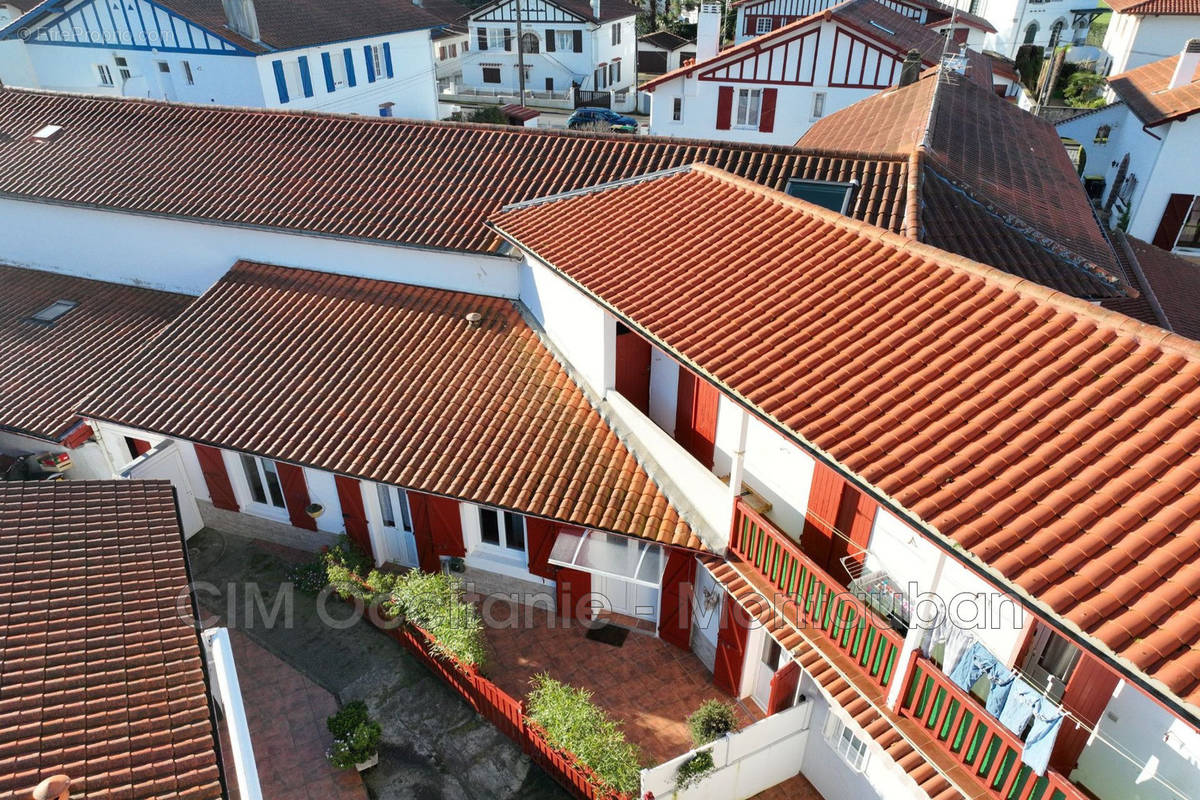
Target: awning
610, 554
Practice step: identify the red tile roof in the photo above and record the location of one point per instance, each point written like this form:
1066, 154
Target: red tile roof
1153, 7
992, 175
1145, 91
1054, 441
424, 184
103, 679
48, 369
392, 385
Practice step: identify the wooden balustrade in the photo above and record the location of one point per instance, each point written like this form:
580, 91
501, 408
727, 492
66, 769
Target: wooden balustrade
812, 600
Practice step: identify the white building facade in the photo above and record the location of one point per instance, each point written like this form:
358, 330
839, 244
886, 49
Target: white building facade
1137, 35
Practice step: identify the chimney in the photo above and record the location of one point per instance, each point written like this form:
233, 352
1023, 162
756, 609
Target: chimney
242, 18
708, 31
596, 9
910, 70
1185, 70
56, 787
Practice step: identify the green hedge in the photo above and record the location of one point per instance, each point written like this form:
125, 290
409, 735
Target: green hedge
574, 723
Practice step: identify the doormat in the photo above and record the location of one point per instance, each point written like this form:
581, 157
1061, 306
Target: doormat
609, 634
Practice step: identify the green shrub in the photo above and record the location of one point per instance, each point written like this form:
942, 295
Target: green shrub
355, 735
1082, 90
309, 577
694, 769
575, 724
712, 720
343, 557
435, 602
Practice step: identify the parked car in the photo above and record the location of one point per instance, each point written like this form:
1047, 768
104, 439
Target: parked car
598, 118
17, 466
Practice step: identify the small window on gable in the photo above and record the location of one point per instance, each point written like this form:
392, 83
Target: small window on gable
827, 194
818, 108
54, 311
1102, 134
763, 25
187, 74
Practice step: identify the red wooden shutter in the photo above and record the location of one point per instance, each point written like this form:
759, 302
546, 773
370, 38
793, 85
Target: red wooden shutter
696, 416
354, 515
1178, 206
751, 22
679, 578
766, 118
539, 541
783, 687
633, 369
295, 493
724, 107
427, 557
220, 490
1088, 691
856, 515
685, 400
824, 500
444, 525
570, 588
731, 647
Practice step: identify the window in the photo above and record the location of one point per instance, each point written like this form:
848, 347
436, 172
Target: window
749, 104
393, 504
510, 534
1189, 235
676, 109
164, 66
187, 74
465, 44
763, 25
123, 68
441, 54
818, 109
564, 40
549, 84
530, 42
491, 74
1102, 134
105, 74
616, 33
598, 78
1050, 662
496, 40
826, 194
454, 51
263, 480
846, 743
377, 57
53, 311
1127, 189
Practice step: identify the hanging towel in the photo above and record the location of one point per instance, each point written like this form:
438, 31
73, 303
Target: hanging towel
1019, 706
1047, 719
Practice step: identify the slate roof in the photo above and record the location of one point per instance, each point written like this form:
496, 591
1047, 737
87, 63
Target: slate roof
103, 680
666, 40
1145, 91
1051, 440
995, 185
388, 382
48, 368
1175, 284
424, 184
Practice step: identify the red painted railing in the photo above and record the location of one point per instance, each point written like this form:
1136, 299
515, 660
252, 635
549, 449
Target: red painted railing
965, 729
956, 720
812, 600
506, 713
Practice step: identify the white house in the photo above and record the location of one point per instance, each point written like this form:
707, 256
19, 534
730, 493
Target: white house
1020, 22
663, 51
771, 88
756, 17
1145, 149
367, 57
563, 43
1142, 31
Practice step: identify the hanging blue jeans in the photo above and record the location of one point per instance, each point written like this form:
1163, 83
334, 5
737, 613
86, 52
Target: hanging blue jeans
977, 662
1047, 719
1002, 680
1018, 709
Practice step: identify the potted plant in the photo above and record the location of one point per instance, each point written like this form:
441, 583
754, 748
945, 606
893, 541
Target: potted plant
712, 720
355, 737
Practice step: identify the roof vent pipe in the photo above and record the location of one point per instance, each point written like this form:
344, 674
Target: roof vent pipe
910, 70
1189, 60
56, 787
474, 319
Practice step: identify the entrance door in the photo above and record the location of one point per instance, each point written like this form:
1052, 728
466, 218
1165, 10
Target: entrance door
625, 597
399, 545
768, 663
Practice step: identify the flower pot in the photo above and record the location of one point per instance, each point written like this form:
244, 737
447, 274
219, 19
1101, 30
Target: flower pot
370, 762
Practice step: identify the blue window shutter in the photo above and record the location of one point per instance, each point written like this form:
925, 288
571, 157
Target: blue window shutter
305, 77
327, 65
370, 59
349, 56
387, 59
280, 80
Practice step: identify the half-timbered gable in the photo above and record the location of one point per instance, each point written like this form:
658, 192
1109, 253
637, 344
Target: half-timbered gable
788, 60
532, 12
133, 24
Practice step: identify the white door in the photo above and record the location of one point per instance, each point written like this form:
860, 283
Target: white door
768, 663
625, 597
164, 462
398, 545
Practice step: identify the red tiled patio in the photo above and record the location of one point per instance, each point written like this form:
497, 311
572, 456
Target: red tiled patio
647, 684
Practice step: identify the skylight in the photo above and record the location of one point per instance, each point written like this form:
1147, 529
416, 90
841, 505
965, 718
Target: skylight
53, 311
46, 133
826, 194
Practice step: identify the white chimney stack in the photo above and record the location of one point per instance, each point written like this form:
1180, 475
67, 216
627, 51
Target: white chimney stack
1185, 70
242, 18
596, 9
708, 31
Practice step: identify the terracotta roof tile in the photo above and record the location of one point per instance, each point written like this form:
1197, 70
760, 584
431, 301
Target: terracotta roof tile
103, 680
388, 382
424, 184
972, 398
1156, 7
48, 369
1145, 91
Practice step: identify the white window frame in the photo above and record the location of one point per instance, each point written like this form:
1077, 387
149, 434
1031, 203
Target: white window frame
676, 109
616, 34
495, 38
818, 105
849, 746
384, 495
503, 547
747, 112
377, 57
261, 474
565, 41
104, 73
760, 28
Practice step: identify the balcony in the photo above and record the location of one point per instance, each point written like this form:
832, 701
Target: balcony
948, 726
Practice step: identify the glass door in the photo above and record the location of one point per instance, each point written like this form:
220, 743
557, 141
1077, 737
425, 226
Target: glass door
399, 546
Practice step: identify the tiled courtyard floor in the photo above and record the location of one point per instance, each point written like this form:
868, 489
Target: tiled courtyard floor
796, 788
647, 684
286, 713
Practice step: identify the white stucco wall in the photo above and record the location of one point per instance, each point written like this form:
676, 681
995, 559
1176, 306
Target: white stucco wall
1134, 41
34, 237
579, 328
1175, 171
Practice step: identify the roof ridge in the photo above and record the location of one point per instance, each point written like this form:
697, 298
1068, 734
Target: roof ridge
1114, 320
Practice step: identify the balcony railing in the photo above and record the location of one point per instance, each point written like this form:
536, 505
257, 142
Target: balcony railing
821, 607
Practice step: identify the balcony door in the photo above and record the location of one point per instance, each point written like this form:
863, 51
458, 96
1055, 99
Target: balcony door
399, 544
633, 368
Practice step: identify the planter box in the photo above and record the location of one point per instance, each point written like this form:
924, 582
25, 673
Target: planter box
370, 762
